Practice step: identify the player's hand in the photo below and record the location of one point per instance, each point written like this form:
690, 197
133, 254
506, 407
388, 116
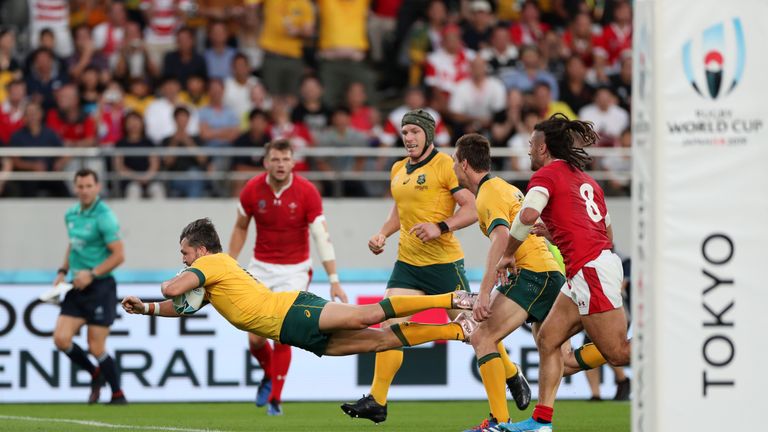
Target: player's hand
337, 292
59, 278
82, 279
505, 265
133, 305
376, 243
426, 231
482, 309
539, 229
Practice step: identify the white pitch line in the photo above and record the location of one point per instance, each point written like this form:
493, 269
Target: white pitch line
104, 425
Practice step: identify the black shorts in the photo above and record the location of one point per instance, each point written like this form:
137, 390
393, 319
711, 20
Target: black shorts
97, 303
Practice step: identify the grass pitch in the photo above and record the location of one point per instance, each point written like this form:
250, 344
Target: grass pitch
570, 416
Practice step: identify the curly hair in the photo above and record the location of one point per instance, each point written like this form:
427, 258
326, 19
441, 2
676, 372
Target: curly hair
202, 233
566, 139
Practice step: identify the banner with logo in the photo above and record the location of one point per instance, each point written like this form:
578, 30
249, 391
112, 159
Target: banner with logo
203, 358
701, 217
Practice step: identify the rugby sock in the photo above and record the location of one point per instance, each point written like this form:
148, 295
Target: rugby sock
80, 358
589, 357
387, 365
107, 366
510, 369
543, 414
281, 357
492, 374
411, 333
264, 356
400, 306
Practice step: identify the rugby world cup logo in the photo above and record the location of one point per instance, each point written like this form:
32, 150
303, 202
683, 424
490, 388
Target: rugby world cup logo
722, 52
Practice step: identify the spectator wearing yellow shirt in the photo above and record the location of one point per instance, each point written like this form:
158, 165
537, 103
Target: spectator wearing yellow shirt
542, 100
343, 43
138, 98
286, 24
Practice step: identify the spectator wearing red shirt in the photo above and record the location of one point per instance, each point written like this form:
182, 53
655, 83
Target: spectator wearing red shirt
363, 117
447, 66
617, 36
295, 133
67, 119
381, 26
530, 30
12, 110
580, 39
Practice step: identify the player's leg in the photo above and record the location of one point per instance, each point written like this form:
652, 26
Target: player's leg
261, 350
609, 333
506, 317
562, 322
101, 314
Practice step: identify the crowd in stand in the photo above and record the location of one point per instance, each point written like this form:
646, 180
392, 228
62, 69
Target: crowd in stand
335, 73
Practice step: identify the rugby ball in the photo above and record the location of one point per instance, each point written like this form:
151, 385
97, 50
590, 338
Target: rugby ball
189, 302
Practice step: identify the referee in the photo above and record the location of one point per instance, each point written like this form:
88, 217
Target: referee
94, 250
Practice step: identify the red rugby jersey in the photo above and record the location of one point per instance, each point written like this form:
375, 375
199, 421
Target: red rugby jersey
282, 219
575, 213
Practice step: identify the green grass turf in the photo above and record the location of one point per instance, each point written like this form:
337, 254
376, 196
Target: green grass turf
570, 416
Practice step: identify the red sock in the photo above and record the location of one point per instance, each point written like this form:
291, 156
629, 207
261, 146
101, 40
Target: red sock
282, 360
264, 356
543, 414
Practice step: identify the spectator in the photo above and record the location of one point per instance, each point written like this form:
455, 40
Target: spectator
158, 117
546, 105
259, 99
476, 31
85, 54
414, 99
619, 167
196, 93
296, 133
108, 36
249, 34
219, 126
341, 134
138, 173
74, 126
138, 97
162, 21
311, 110
43, 78
500, 54
237, 88
342, 45
381, 27
621, 83
12, 110
35, 134
10, 68
287, 23
424, 38
133, 59
476, 99
507, 121
617, 36
90, 89
110, 116
574, 89
192, 185
529, 72
520, 141
185, 61
363, 117
256, 137
529, 30
610, 119
447, 66
580, 39
52, 15
218, 58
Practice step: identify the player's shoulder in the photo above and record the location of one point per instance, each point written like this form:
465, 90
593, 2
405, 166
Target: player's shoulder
304, 185
102, 209
442, 159
397, 166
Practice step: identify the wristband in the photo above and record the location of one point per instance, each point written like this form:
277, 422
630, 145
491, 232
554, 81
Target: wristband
62, 270
157, 309
333, 278
146, 308
152, 308
443, 227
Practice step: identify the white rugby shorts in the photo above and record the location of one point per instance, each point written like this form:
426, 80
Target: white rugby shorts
597, 286
282, 277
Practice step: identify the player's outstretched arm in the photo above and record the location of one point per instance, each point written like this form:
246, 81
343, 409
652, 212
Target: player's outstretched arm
499, 237
134, 305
